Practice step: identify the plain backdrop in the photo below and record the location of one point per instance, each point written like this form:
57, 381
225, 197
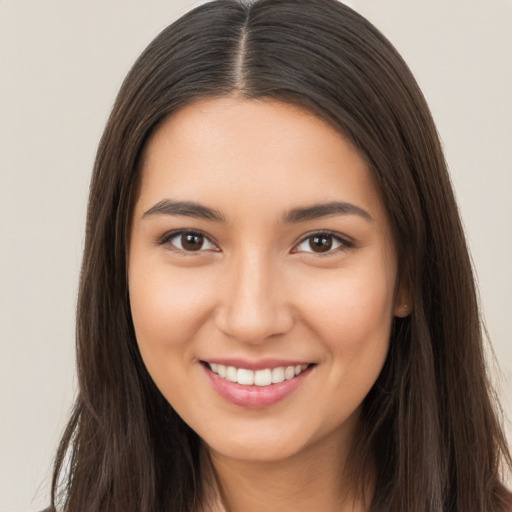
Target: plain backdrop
61, 64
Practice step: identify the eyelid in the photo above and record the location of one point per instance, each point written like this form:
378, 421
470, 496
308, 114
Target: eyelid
345, 242
168, 236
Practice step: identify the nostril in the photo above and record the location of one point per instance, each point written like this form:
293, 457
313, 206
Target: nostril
254, 324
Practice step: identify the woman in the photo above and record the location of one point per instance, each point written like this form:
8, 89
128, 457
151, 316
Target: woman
277, 309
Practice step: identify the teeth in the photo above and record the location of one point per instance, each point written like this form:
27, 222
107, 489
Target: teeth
289, 373
277, 375
264, 377
245, 377
231, 374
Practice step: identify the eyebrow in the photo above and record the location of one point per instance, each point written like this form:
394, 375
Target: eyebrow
186, 209
324, 210
295, 215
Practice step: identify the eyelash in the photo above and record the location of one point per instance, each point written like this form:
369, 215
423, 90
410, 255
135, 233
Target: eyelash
168, 237
343, 244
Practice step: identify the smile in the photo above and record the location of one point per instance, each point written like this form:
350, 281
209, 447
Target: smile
266, 384
263, 377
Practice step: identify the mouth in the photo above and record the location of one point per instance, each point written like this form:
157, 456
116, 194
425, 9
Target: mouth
262, 377
264, 385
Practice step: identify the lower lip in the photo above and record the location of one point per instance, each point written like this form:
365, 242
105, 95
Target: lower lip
255, 397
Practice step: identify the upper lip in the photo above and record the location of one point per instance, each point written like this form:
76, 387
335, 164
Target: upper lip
260, 364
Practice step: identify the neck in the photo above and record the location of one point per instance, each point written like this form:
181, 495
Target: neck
315, 479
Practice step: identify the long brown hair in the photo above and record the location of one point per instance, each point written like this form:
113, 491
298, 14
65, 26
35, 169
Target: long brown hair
430, 421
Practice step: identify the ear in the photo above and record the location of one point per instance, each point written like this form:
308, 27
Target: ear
403, 297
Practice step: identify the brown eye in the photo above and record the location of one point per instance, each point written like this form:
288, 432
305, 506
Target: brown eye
319, 243
190, 241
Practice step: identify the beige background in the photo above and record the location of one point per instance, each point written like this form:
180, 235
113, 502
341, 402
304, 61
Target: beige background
61, 63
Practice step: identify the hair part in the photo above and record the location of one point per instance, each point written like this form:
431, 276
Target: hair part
430, 421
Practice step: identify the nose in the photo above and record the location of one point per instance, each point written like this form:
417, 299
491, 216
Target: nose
254, 304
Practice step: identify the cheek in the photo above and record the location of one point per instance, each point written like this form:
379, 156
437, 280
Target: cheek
168, 308
352, 313
354, 329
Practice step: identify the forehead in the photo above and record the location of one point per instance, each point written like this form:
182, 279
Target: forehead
265, 154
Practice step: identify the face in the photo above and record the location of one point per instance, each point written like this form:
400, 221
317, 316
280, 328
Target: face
262, 276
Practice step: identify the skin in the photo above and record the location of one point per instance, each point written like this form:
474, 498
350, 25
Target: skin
256, 288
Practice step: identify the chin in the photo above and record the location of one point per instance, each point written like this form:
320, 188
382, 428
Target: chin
258, 451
